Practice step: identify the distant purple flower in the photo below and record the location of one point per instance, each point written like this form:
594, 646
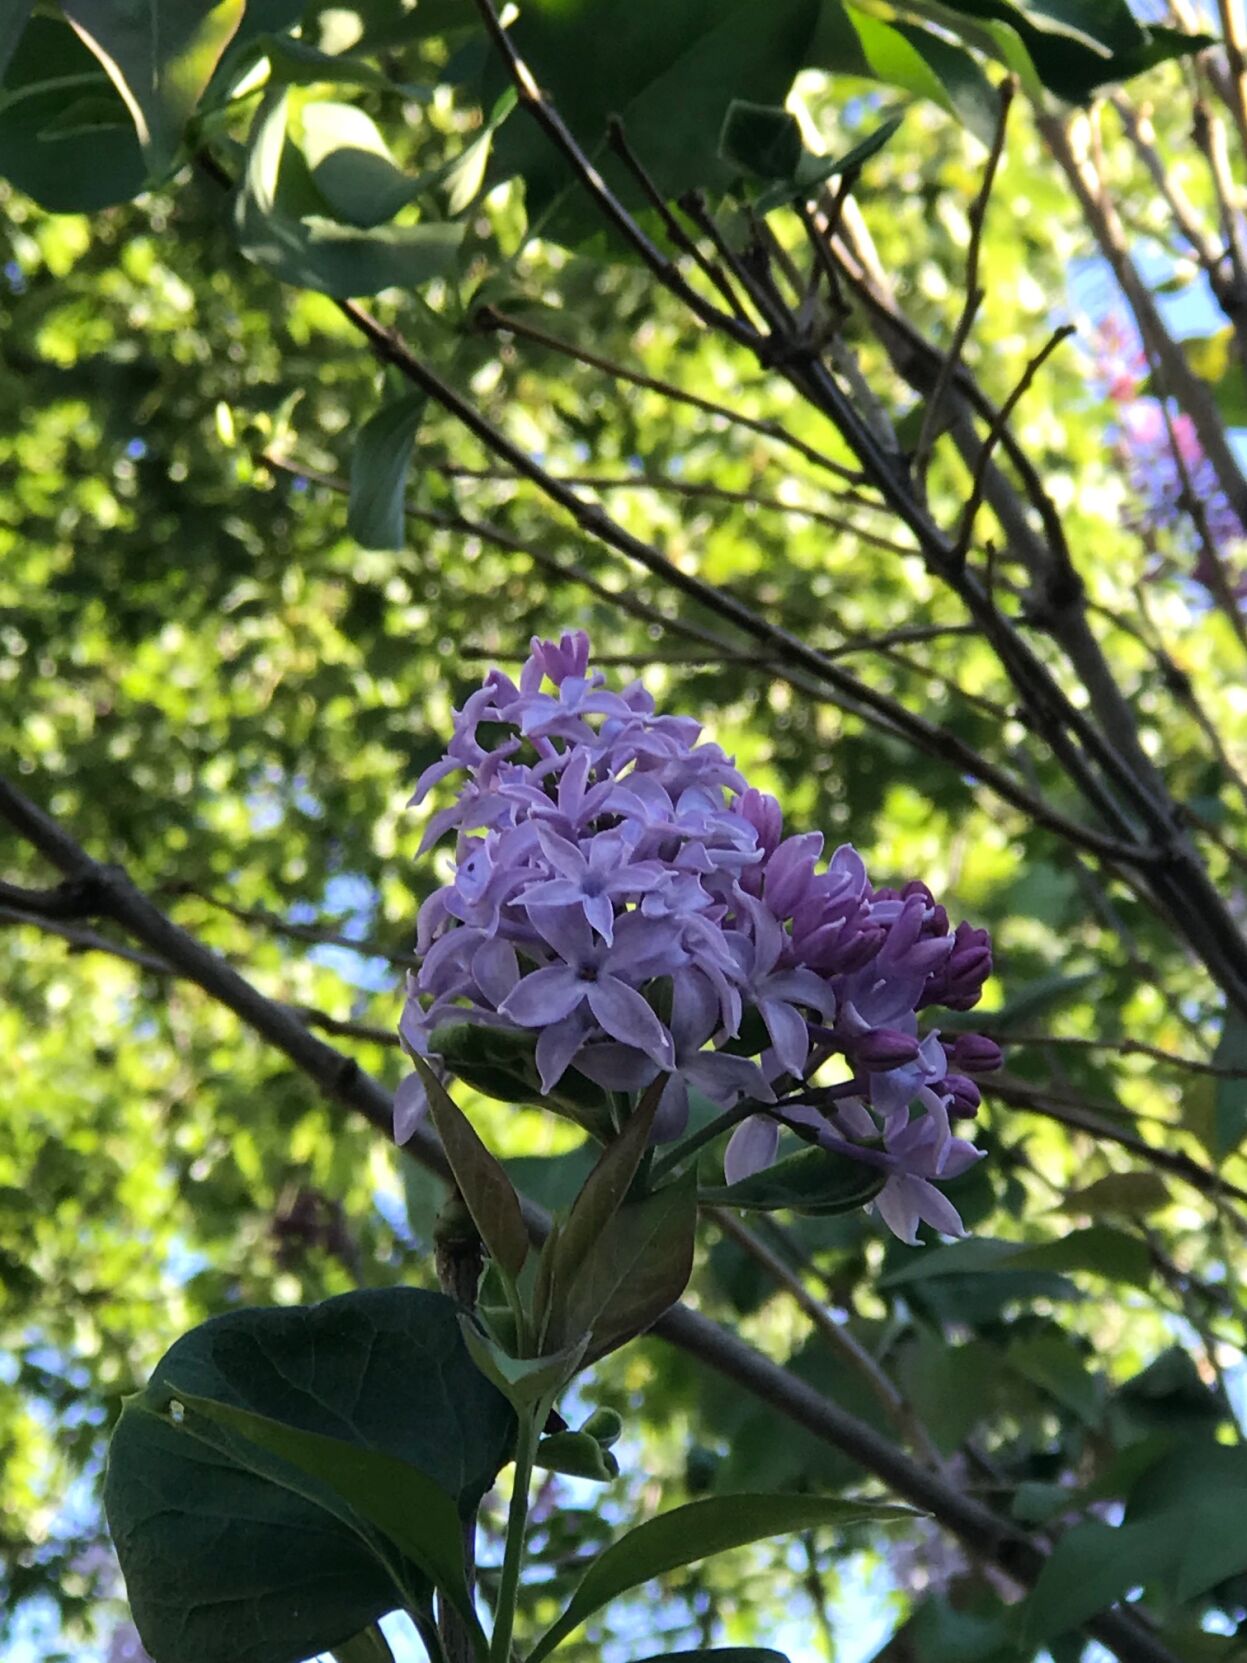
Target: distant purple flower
624, 896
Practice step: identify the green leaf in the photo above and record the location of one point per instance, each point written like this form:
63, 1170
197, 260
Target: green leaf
1099, 1248
687, 1534
1230, 1096
404, 1504
1129, 1194
67, 173
281, 224
761, 139
224, 1561
850, 40
487, 1192
521, 1380
811, 1181
572, 1247
1197, 1494
13, 21
351, 164
160, 55
633, 1271
380, 462
719, 1654
1079, 45
370, 1646
1056, 1365
578, 1455
1091, 1567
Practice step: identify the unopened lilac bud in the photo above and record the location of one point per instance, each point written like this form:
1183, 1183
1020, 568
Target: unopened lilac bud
974, 1054
789, 873
966, 1096
569, 656
958, 983
884, 1048
764, 815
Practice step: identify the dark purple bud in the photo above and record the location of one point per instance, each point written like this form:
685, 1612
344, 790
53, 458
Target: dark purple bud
966, 1096
959, 983
857, 953
974, 1054
884, 1048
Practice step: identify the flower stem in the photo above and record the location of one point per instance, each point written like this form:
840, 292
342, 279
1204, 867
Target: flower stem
698, 1140
517, 1517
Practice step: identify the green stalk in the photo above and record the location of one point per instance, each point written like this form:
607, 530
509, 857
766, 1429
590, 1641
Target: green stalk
698, 1140
517, 1518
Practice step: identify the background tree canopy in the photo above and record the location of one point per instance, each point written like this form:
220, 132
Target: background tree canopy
347, 347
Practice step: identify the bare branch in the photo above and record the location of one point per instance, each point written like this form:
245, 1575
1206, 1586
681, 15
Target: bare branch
932, 415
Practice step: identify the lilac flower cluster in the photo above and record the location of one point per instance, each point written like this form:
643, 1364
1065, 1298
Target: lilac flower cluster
622, 896
1146, 444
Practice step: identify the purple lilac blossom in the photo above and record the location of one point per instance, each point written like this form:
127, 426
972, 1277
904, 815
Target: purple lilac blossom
623, 896
1145, 443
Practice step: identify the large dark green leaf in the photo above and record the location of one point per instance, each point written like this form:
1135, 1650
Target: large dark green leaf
850, 41
160, 55
694, 1532
224, 1561
283, 223
669, 72
811, 1181
68, 171
1079, 45
403, 1504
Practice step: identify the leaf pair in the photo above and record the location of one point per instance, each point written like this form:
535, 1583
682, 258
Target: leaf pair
288, 1476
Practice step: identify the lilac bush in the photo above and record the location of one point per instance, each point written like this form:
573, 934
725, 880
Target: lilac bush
625, 902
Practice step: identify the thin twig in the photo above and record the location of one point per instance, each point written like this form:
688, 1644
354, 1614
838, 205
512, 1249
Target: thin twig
933, 413
975, 500
889, 1395
767, 427
1121, 1047
830, 683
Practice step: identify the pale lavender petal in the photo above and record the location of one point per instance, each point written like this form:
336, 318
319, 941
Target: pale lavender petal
935, 1209
411, 1104
671, 1116
897, 1207
496, 969
751, 1148
789, 1033
600, 912
545, 996
723, 1078
626, 1017
617, 1067
564, 856
557, 1045
567, 931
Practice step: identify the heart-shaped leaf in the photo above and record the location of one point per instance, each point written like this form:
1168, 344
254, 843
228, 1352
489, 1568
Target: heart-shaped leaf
224, 1561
